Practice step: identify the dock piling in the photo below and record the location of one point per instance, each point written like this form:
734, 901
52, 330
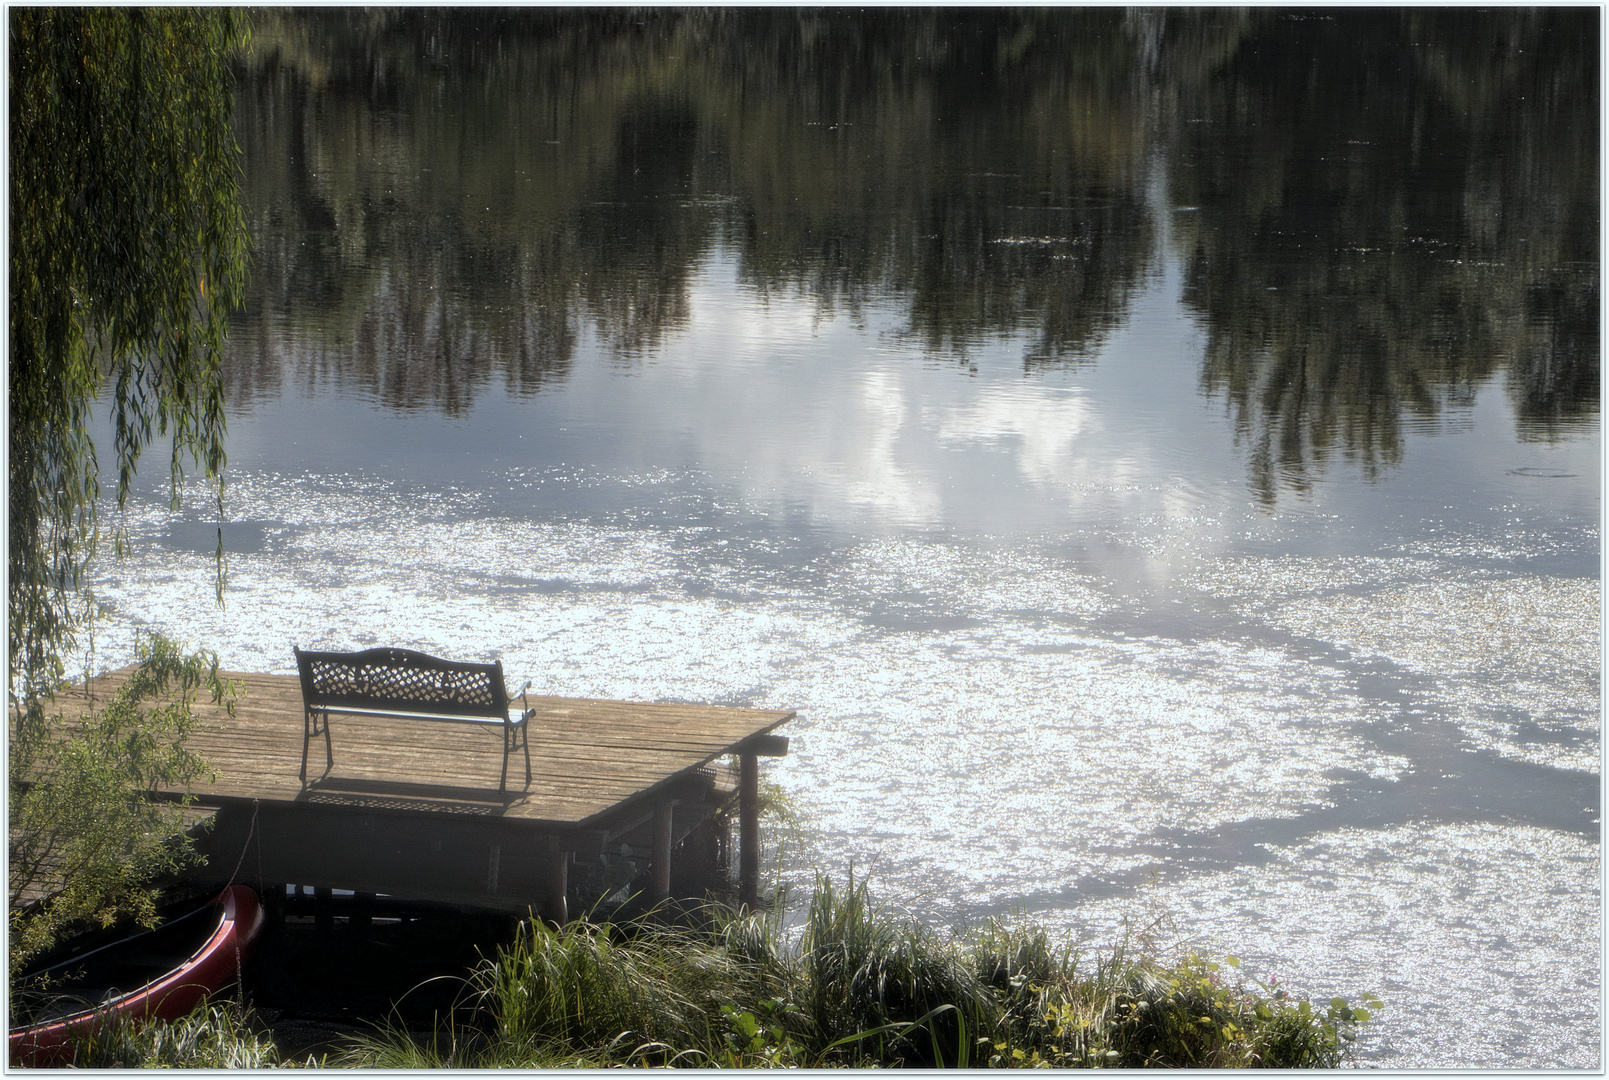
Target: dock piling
748, 811
664, 815
555, 904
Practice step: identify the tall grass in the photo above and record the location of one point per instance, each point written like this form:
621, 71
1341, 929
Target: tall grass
585, 984
859, 985
216, 1036
869, 980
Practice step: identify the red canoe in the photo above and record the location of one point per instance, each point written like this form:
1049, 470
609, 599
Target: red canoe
167, 997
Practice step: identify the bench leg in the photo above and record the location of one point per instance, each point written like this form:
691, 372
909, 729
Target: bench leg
508, 748
515, 736
311, 722
307, 737
329, 754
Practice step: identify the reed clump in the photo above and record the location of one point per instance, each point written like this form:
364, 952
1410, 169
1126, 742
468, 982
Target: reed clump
858, 985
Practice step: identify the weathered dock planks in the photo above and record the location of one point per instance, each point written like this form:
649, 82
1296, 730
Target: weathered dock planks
412, 808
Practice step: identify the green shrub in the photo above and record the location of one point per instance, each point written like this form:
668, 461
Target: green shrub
1136, 1011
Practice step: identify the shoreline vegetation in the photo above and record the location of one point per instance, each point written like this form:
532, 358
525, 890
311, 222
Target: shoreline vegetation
853, 985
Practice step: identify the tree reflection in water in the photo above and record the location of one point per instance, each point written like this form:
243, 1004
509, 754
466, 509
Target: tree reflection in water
1377, 211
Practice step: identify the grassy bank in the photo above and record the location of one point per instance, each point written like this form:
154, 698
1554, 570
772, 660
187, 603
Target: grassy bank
856, 985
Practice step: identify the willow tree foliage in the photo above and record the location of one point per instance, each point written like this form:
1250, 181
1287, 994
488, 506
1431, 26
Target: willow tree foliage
128, 251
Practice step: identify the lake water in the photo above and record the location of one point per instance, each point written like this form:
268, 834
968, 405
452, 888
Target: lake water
1158, 455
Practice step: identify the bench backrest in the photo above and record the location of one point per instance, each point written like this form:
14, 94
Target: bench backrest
401, 679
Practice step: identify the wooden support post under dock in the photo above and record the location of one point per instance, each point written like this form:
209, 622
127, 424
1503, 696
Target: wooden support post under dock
748, 812
748, 815
556, 904
362, 911
323, 911
664, 818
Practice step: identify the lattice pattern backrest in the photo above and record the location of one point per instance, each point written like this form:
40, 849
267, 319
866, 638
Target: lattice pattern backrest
403, 680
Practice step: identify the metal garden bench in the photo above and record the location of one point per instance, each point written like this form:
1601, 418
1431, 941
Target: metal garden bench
407, 685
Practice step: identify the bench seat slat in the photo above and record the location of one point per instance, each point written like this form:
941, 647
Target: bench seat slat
515, 716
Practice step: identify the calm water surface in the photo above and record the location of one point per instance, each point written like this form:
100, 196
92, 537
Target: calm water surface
1158, 455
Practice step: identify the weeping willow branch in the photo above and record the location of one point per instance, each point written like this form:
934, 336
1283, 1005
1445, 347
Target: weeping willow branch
128, 252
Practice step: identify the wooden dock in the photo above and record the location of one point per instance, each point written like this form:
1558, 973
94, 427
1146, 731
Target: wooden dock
411, 809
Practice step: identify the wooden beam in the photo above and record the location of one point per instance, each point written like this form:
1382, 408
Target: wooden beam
695, 789
579, 841
765, 746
